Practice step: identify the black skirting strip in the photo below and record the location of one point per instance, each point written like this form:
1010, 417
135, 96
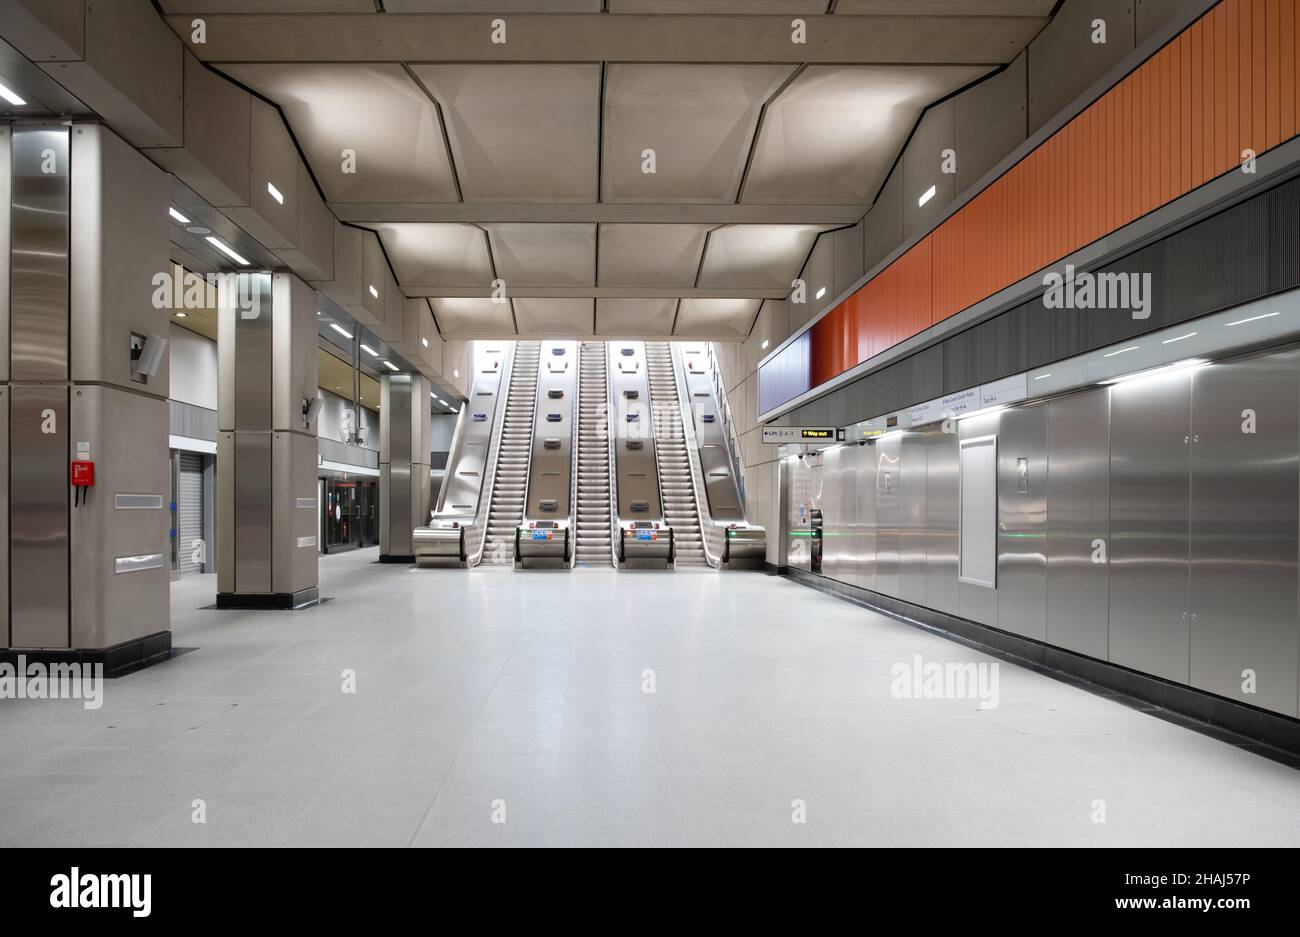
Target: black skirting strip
118, 660
396, 558
1270, 734
270, 600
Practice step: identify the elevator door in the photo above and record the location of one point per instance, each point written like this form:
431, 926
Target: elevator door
1243, 527
1150, 430
191, 551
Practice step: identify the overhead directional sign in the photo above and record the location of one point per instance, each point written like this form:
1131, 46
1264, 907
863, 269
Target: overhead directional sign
783, 435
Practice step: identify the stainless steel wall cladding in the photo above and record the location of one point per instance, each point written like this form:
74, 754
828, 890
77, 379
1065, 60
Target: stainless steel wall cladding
942, 544
1022, 521
39, 218
1243, 530
38, 516
1153, 523
798, 477
888, 481
914, 448
254, 357
550, 478
1150, 426
252, 546
1078, 522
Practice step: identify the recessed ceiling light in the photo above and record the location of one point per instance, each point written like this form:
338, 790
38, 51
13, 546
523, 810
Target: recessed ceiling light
11, 96
342, 331
456, 372
821, 292
370, 351
177, 216
275, 193
227, 250
926, 196
1112, 354
180, 315
764, 345
374, 292
391, 366
1170, 341
1267, 315
424, 342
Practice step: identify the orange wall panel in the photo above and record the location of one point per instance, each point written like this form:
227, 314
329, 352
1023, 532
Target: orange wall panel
1229, 82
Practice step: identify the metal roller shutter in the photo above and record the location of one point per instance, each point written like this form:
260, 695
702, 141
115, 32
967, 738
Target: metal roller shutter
189, 511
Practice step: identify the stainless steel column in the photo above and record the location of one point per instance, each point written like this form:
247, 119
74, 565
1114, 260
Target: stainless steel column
404, 442
38, 419
267, 454
86, 232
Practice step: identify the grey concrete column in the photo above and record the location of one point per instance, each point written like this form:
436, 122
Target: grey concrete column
83, 572
266, 445
404, 441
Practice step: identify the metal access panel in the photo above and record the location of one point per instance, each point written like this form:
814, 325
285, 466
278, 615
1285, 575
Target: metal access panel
120, 563
912, 517
977, 543
295, 523
848, 536
942, 494
1245, 516
1022, 521
1078, 522
798, 520
39, 227
395, 478
38, 516
252, 541
888, 464
1150, 432
864, 527
636, 470
550, 473
836, 561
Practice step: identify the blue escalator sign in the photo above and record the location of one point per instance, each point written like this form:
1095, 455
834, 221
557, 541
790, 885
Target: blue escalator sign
645, 535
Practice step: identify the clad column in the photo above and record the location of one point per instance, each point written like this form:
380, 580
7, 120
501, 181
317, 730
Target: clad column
83, 234
405, 437
266, 443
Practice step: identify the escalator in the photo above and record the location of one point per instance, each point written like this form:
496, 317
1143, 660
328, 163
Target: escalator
510, 480
676, 484
545, 533
594, 543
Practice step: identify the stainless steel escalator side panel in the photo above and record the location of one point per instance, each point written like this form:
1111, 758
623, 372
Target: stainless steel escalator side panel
549, 499
636, 470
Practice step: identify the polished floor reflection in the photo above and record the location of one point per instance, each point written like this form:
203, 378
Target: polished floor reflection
603, 708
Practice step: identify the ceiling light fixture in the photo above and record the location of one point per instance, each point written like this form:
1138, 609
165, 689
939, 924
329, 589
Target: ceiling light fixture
764, 345
926, 196
180, 315
424, 342
368, 350
374, 292
391, 366
1170, 341
1112, 354
227, 250
1154, 372
821, 292
342, 331
275, 193
11, 96
1267, 315
177, 216
1041, 376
